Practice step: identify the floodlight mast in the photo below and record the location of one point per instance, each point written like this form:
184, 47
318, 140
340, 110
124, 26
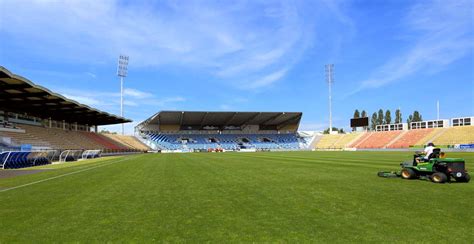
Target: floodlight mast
437, 110
330, 81
122, 72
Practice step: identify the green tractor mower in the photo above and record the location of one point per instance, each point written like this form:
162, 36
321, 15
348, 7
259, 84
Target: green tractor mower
437, 168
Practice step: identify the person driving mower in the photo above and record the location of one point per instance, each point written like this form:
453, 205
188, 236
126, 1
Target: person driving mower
425, 155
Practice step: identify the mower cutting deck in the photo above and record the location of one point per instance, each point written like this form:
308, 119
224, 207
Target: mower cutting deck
437, 169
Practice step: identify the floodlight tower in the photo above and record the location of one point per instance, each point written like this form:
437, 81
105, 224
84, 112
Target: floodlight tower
122, 72
330, 80
437, 110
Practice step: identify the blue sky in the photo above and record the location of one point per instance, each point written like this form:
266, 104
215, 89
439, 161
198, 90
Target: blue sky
248, 55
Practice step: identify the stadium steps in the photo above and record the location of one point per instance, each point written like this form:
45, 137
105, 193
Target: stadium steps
338, 142
346, 139
348, 145
25, 138
439, 134
314, 141
434, 133
396, 139
62, 139
327, 141
455, 135
410, 138
105, 142
379, 139
129, 141
361, 140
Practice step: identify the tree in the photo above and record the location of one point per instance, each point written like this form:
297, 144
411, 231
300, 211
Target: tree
326, 131
356, 114
398, 116
341, 131
364, 115
388, 117
380, 117
373, 121
409, 120
417, 116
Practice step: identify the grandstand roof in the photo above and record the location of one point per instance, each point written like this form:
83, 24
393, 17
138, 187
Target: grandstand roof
203, 118
20, 95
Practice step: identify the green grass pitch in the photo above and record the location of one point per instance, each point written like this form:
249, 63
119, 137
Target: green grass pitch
332, 197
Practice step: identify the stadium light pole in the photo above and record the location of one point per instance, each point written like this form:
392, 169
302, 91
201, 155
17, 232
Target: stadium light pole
122, 72
330, 81
437, 110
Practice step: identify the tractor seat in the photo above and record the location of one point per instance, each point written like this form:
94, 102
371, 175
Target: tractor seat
435, 154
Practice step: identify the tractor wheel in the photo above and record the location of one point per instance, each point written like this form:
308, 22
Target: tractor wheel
466, 178
408, 173
439, 177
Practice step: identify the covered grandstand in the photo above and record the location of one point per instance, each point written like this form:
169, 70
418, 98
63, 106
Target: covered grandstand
35, 118
235, 131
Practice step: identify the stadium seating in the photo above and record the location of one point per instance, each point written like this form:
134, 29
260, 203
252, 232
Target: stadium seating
436, 132
327, 141
55, 138
379, 139
25, 138
60, 139
346, 139
361, 139
104, 141
410, 138
338, 141
129, 141
456, 135
225, 141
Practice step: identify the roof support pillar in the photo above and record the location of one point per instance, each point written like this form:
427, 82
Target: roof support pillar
50, 122
64, 125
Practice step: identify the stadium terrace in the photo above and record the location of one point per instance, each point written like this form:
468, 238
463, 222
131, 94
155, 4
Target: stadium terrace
187, 131
34, 119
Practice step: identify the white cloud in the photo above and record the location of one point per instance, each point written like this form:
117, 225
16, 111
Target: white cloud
92, 75
445, 33
267, 80
230, 40
136, 93
110, 101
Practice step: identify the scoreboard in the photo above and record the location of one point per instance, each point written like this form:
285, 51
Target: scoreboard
360, 122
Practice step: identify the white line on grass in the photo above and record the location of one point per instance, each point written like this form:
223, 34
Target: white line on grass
59, 176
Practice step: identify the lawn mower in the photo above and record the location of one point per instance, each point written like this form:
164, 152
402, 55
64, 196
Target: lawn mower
437, 168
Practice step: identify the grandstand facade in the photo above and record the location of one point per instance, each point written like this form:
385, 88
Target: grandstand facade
227, 131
